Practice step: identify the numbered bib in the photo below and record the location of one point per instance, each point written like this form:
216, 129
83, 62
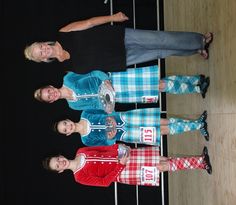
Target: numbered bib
148, 135
149, 176
149, 99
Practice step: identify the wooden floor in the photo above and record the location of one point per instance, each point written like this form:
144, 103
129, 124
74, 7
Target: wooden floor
197, 187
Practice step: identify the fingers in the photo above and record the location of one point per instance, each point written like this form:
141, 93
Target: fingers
121, 16
108, 83
126, 157
124, 16
109, 118
113, 123
111, 135
114, 132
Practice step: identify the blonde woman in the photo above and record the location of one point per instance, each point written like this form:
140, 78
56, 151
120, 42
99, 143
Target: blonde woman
89, 44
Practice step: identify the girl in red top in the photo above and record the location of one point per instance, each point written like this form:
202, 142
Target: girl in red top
102, 165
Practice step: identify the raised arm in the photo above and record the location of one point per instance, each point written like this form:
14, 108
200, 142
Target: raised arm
95, 21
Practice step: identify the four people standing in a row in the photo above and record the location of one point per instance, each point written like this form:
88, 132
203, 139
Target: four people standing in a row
91, 49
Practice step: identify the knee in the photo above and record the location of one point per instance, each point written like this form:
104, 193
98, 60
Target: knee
161, 85
163, 167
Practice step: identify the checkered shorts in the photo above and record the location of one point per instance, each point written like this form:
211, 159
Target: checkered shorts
138, 120
136, 84
142, 160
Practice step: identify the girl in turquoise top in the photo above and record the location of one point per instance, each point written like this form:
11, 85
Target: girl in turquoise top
142, 126
140, 85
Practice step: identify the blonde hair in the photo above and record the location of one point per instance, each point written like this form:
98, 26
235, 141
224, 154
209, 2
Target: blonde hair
37, 95
29, 52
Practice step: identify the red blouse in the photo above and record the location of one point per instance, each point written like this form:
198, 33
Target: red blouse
101, 166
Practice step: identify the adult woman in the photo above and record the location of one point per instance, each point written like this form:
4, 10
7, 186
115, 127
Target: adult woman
100, 166
84, 46
142, 126
142, 85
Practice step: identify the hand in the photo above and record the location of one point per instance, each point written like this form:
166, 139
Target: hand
109, 109
109, 85
111, 120
128, 148
119, 17
124, 159
111, 135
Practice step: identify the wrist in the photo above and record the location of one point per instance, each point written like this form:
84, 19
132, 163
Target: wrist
112, 18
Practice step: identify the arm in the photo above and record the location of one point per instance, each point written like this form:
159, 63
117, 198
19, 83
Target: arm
99, 148
93, 112
97, 139
75, 77
91, 180
95, 21
99, 74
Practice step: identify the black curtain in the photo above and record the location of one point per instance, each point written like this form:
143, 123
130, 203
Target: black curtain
27, 136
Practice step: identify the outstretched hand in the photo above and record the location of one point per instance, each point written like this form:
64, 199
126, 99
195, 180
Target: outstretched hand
119, 17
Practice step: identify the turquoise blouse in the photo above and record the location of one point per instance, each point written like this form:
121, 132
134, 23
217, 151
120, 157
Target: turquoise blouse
97, 128
85, 87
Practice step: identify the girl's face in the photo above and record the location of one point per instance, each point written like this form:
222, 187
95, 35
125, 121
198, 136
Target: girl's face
59, 163
66, 127
50, 94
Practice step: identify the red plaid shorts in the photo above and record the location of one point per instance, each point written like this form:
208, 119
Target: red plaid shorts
141, 167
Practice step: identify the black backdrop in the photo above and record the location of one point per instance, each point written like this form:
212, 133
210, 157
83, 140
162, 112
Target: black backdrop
26, 136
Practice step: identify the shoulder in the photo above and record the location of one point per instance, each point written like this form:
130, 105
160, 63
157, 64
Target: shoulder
71, 76
68, 74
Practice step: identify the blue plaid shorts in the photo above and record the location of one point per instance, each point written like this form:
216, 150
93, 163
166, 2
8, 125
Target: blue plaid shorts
136, 85
142, 126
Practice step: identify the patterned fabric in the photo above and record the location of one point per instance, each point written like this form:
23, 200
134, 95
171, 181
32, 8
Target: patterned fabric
139, 121
185, 163
140, 158
101, 166
136, 85
173, 120
96, 134
181, 84
83, 86
193, 80
134, 126
185, 126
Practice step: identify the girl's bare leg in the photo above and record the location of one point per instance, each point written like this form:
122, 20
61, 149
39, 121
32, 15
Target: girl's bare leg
165, 130
164, 121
